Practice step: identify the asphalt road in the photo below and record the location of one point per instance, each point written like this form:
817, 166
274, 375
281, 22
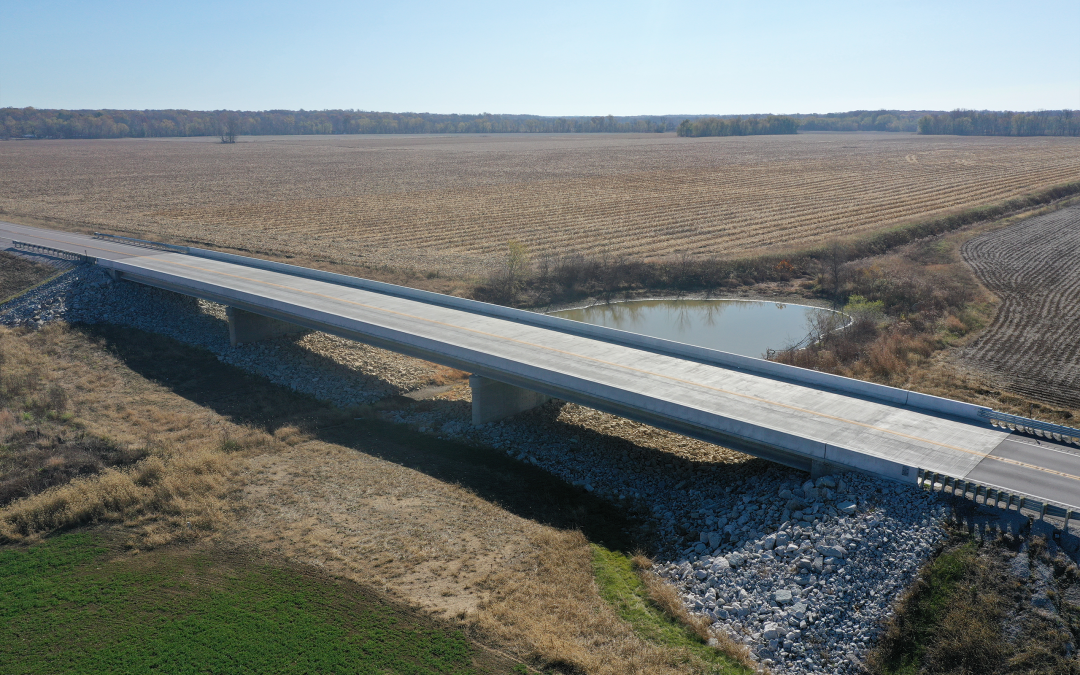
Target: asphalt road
704, 401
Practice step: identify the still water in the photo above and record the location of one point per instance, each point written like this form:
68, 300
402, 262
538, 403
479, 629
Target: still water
737, 326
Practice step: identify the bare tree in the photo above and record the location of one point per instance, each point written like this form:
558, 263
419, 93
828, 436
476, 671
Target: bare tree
229, 126
836, 254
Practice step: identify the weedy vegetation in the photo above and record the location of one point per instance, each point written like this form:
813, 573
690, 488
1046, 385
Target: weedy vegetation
996, 607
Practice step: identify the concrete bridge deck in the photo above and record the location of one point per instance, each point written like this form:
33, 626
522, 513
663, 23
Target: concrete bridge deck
800, 418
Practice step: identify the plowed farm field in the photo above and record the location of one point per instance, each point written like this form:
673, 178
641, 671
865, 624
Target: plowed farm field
451, 203
1033, 344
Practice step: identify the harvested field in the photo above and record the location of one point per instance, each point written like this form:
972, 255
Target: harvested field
450, 203
1033, 345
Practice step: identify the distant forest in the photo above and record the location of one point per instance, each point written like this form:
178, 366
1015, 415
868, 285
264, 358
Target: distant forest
751, 126
35, 123
862, 120
988, 123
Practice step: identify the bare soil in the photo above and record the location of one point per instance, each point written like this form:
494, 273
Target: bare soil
1033, 345
448, 205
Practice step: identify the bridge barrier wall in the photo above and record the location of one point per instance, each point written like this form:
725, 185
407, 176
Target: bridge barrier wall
565, 386
877, 466
870, 390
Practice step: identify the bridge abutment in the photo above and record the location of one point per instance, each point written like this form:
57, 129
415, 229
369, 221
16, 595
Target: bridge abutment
245, 327
493, 400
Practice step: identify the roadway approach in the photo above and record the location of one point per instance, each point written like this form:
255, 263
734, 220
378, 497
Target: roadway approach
801, 418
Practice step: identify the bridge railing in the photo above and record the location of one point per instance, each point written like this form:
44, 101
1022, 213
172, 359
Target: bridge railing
54, 252
995, 496
145, 243
1025, 425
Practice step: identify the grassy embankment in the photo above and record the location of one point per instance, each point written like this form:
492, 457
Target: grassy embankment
656, 612
18, 274
971, 611
155, 442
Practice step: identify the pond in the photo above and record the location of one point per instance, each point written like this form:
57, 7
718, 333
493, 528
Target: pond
746, 327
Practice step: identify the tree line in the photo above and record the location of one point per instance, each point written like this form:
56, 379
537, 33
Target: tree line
991, 123
35, 123
52, 123
862, 120
738, 126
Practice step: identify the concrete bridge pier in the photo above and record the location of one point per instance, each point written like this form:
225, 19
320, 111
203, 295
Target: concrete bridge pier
245, 327
493, 400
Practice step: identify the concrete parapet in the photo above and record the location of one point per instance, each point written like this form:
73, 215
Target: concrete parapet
812, 378
245, 327
493, 400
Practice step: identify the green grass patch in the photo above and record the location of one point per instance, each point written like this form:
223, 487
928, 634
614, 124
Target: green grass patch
905, 646
621, 587
67, 606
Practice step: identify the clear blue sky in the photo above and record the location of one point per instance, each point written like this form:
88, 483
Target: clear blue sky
547, 58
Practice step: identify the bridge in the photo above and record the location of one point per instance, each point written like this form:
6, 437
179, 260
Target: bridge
804, 419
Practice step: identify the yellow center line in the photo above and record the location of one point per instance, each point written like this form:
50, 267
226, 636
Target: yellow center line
625, 367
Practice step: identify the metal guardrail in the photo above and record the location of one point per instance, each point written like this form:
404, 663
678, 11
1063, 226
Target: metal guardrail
55, 252
141, 242
1025, 425
989, 491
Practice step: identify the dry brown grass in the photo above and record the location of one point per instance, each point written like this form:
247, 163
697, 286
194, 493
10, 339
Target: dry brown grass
549, 601
452, 203
524, 585
127, 451
18, 274
491, 544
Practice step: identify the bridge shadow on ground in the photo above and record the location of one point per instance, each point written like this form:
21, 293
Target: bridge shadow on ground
522, 489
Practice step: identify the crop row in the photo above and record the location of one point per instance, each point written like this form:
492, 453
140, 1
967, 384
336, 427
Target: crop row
452, 203
1033, 344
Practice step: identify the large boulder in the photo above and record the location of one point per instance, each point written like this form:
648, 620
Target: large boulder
831, 551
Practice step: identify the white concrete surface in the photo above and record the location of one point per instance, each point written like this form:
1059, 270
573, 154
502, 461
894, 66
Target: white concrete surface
742, 408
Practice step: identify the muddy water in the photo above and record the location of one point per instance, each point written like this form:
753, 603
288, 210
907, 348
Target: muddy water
737, 326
